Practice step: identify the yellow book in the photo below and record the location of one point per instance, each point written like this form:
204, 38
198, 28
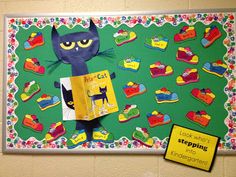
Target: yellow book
88, 97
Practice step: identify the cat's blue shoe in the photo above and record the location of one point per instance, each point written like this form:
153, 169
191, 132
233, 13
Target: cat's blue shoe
101, 135
165, 96
217, 68
79, 137
47, 101
130, 64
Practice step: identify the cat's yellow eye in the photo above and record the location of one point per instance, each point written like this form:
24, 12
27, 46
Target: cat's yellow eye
70, 103
67, 45
85, 43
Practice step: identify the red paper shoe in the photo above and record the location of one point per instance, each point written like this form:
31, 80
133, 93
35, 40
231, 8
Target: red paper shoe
185, 54
186, 33
157, 118
158, 69
132, 89
211, 35
34, 40
56, 130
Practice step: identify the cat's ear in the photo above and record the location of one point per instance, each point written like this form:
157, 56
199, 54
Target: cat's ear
93, 28
63, 89
55, 42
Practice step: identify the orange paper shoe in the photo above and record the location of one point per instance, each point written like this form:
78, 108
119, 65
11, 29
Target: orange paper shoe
32, 122
33, 65
204, 95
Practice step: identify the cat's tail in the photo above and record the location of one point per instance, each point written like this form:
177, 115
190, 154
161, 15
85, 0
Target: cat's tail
88, 93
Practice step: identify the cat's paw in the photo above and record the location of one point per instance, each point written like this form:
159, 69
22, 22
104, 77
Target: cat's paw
113, 75
110, 105
102, 111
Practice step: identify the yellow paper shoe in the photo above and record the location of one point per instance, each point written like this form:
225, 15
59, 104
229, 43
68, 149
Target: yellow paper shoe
30, 89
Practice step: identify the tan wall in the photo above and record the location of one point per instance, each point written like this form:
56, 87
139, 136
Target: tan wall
103, 165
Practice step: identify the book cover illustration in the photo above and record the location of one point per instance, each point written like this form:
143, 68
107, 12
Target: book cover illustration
87, 97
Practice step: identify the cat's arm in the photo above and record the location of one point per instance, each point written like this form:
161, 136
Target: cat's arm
57, 84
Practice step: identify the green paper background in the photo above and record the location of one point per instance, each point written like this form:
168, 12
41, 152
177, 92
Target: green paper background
146, 102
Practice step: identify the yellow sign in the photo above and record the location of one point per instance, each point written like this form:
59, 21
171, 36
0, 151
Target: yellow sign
192, 148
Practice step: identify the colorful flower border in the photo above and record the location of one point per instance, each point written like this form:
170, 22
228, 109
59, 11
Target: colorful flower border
13, 141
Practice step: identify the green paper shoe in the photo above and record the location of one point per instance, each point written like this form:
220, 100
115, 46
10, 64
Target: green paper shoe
142, 136
30, 89
101, 135
124, 36
130, 112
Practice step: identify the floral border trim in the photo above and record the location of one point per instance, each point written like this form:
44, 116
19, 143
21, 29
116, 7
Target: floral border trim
13, 141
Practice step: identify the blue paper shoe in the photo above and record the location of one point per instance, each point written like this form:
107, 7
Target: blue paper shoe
47, 101
217, 68
165, 96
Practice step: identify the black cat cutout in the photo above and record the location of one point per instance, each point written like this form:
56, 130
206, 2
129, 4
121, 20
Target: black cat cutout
76, 49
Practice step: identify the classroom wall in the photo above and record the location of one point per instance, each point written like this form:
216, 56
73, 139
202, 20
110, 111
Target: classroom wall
103, 165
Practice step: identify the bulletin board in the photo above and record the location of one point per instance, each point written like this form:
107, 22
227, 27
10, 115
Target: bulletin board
148, 59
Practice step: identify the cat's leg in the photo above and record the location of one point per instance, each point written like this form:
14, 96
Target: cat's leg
108, 104
103, 106
103, 110
86, 126
94, 107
